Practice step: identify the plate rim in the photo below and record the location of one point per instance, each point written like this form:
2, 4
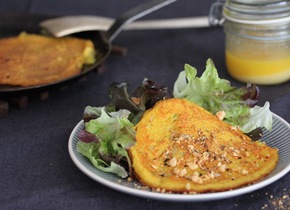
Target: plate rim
175, 197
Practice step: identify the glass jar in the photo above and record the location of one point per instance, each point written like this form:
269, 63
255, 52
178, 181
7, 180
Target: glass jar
257, 40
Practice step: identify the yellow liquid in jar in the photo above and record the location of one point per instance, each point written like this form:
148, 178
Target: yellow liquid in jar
258, 70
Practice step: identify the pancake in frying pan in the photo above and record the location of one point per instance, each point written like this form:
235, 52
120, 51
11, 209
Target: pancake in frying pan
30, 59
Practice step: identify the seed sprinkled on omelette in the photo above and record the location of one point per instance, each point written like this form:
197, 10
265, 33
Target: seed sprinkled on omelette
180, 147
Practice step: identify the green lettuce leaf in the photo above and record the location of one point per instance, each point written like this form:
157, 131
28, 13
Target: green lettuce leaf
90, 150
259, 117
115, 134
215, 94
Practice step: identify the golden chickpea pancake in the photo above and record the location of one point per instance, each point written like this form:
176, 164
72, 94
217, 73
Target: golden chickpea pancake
180, 147
31, 59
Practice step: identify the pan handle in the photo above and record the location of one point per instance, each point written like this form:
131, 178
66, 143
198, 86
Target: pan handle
134, 14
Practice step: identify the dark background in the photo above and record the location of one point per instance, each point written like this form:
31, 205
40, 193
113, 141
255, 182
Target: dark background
36, 170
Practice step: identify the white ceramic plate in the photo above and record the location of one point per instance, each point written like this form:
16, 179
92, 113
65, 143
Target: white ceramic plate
279, 137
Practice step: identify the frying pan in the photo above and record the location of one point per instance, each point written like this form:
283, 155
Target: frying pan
12, 25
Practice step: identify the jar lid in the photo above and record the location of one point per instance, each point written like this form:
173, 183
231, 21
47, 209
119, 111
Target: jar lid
256, 11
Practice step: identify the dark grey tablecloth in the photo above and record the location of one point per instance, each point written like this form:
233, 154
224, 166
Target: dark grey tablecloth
36, 169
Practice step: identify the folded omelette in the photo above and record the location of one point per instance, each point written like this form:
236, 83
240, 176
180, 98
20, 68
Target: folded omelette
181, 147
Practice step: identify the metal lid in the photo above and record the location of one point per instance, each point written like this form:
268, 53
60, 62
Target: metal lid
250, 11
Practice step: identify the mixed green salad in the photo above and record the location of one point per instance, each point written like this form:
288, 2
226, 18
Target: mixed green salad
109, 130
